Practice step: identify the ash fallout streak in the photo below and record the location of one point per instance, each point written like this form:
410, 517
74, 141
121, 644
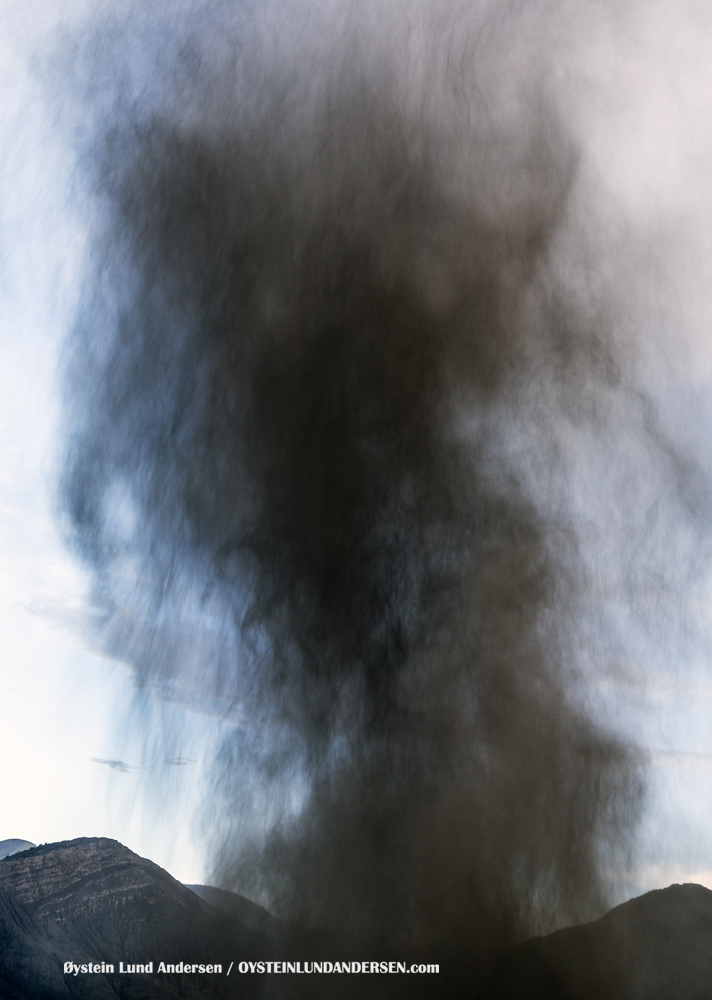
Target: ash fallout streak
317, 398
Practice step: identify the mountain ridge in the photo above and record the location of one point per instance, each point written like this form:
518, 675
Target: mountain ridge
92, 900
656, 946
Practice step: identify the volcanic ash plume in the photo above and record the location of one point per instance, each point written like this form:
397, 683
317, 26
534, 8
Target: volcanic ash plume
319, 396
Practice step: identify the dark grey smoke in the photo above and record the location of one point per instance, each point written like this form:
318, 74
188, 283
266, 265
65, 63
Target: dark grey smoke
319, 396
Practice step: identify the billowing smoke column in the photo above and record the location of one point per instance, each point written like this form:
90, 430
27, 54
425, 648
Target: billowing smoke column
316, 398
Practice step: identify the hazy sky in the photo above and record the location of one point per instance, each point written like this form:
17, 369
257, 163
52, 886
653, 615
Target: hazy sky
68, 770
637, 89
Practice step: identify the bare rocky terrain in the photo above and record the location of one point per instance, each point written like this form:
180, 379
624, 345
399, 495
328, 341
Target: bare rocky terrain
93, 901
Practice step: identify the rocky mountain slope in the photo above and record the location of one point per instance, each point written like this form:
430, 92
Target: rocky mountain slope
655, 947
94, 901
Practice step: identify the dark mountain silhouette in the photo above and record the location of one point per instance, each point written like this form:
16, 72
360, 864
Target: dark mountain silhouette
655, 947
92, 901
247, 913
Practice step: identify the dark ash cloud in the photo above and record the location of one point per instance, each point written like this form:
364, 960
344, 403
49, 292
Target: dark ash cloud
319, 399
